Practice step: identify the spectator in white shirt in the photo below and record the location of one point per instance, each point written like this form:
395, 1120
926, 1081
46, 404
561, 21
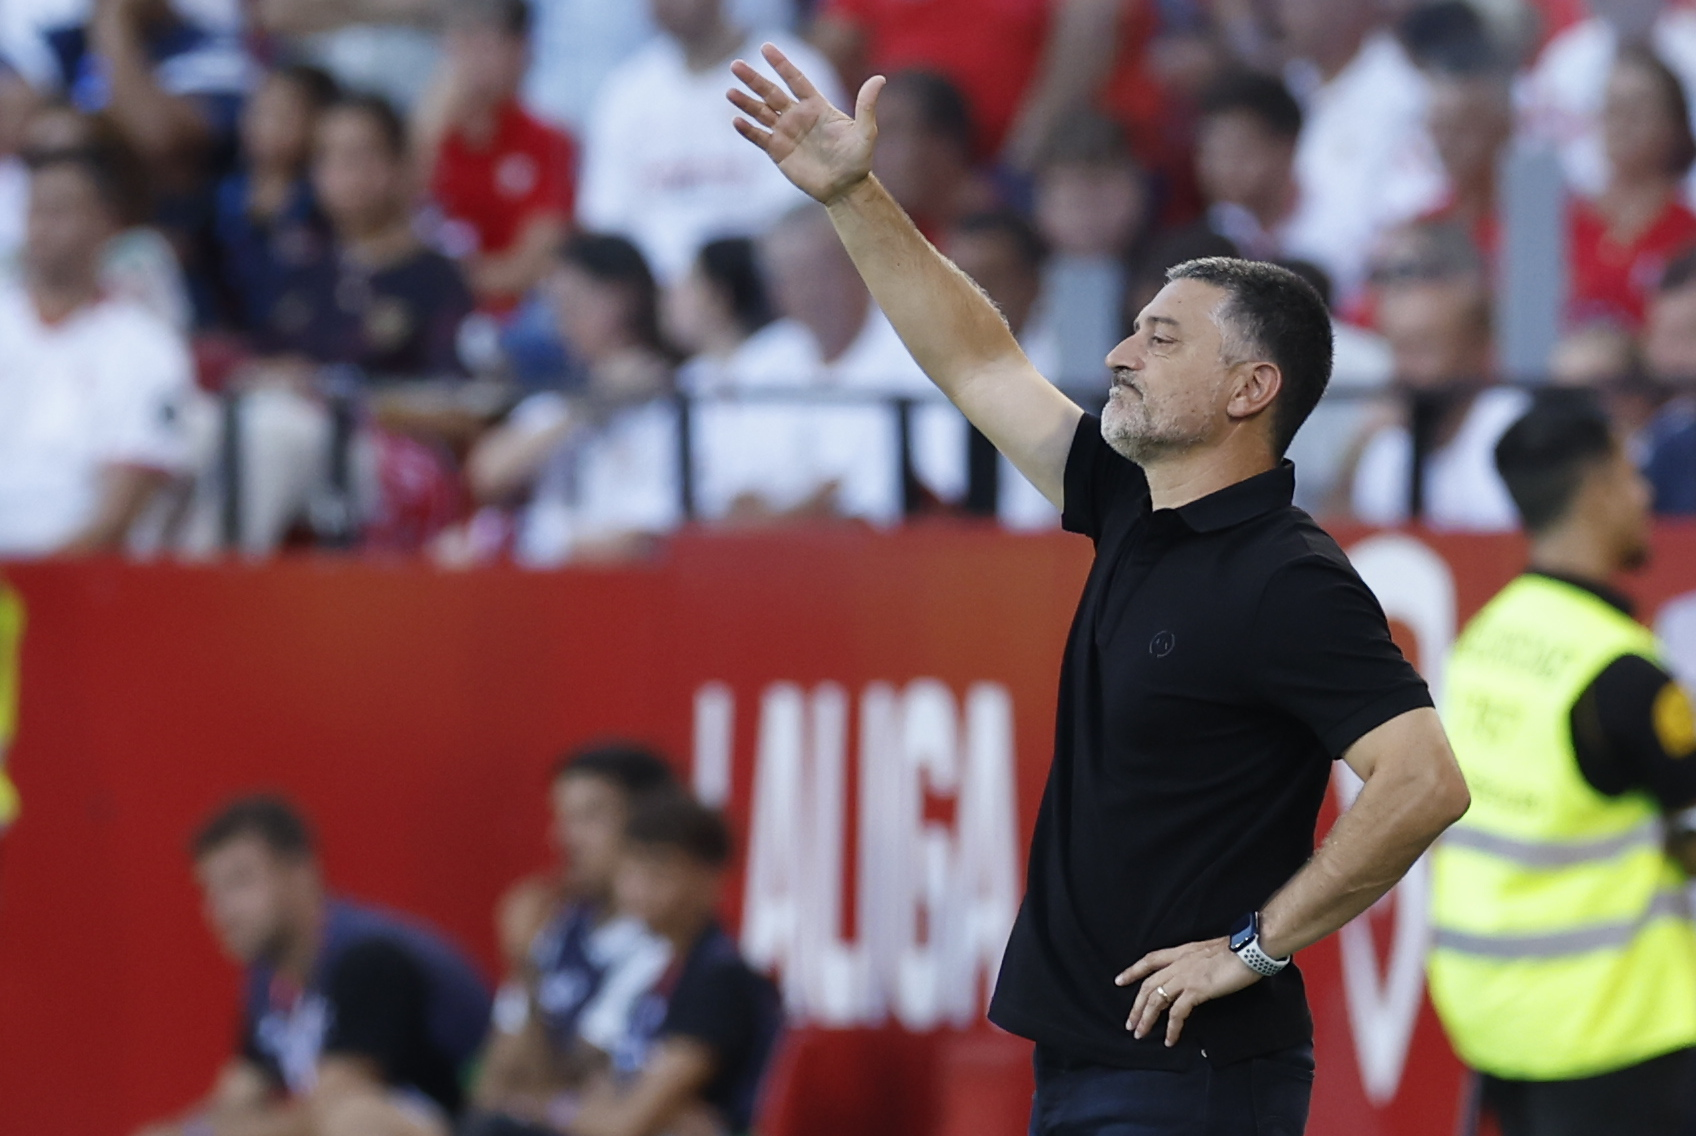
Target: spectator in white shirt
807, 430
1439, 332
713, 312
1364, 162
599, 468
1562, 95
660, 163
17, 104
1245, 161
93, 390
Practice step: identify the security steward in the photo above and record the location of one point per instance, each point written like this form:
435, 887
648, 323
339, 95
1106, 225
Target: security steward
1564, 960
11, 635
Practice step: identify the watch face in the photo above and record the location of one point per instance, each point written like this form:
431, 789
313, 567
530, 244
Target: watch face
1244, 934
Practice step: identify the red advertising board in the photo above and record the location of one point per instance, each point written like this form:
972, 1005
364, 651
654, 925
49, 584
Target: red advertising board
875, 712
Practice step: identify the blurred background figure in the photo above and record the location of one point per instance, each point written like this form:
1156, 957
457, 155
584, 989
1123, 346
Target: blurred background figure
268, 218
17, 103
1666, 442
1565, 90
562, 936
355, 1020
660, 165
594, 473
95, 390
1245, 161
1092, 209
1363, 163
715, 312
1622, 239
504, 180
924, 150
1470, 119
1436, 316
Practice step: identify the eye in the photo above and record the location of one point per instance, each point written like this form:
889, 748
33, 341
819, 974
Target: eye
1160, 339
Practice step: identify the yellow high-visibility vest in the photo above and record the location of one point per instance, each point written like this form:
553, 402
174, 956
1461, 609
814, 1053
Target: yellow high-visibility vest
1562, 943
11, 636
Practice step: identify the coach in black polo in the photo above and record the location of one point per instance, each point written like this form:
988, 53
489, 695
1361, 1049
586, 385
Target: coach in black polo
1224, 652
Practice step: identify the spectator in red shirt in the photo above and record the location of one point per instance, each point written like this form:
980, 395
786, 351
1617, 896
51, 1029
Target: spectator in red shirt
990, 49
502, 177
1622, 240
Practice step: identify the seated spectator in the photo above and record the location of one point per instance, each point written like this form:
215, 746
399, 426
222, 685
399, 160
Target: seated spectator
138, 263
713, 312
1092, 209
1166, 250
1245, 162
1439, 331
1667, 444
1362, 162
268, 218
699, 1041
598, 469
560, 936
994, 66
503, 180
357, 1021
1621, 241
1470, 119
1361, 364
94, 389
579, 43
924, 150
660, 165
376, 298
1005, 256
1564, 92
834, 450
17, 105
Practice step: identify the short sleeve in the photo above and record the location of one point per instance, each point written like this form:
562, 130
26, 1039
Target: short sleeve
1322, 653
379, 997
716, 1009
144, 411
1634, 728
1098, 480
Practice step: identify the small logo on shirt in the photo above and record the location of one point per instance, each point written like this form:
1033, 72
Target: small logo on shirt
516, 175
1161, 645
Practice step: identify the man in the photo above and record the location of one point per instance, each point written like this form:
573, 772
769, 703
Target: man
1564, 960
357, 1022
1245, 161
503, 179
1224, 651
1362, 163
1668, 439
93, 389
560, 935
658, 166
698, 1042
1470, 119
1439, 332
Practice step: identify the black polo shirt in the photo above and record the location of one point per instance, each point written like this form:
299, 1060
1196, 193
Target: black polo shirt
1222, 655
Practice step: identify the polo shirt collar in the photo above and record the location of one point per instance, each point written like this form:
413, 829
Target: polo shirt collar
1263, 493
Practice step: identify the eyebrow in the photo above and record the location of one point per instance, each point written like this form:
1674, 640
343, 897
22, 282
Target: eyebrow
1167, 320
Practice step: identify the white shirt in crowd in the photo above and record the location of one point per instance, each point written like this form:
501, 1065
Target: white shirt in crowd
576, 44
1361, 363
1463, 491
662, 164
1020, 506
783, 451
14, 209
109, 386
1364, 161
1561, 98
614, 478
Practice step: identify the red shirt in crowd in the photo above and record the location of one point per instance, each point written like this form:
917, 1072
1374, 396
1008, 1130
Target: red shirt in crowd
991, 49
525, 171
1613, 280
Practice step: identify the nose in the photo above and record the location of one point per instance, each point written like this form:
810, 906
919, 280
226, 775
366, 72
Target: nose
1127, 353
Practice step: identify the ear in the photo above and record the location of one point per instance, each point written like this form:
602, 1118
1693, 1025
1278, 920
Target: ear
1255, 386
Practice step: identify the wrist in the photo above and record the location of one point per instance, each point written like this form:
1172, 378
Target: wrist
854, 193
1247, 943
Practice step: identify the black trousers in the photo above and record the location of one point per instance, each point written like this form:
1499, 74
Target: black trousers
1264, 1096
1656, 1098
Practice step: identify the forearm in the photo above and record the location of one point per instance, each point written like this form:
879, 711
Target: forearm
948, 324
1370, 848
1080, 54
127, 492
308, 17
159, 124
277, 1120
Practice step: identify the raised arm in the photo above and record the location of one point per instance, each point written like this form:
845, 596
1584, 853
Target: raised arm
952, 329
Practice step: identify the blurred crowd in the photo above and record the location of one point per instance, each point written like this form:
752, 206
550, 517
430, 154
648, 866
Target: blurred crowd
495, 279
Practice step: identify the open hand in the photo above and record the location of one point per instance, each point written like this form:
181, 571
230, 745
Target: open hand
1176, 981
823, 151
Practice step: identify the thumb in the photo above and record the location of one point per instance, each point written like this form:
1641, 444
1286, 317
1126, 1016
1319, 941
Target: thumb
865, 106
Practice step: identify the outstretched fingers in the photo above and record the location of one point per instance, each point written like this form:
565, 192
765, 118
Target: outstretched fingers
760, 138
789, 73
775, 96
865, 106
760, 112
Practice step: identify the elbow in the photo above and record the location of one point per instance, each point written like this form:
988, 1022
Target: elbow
1446, 795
